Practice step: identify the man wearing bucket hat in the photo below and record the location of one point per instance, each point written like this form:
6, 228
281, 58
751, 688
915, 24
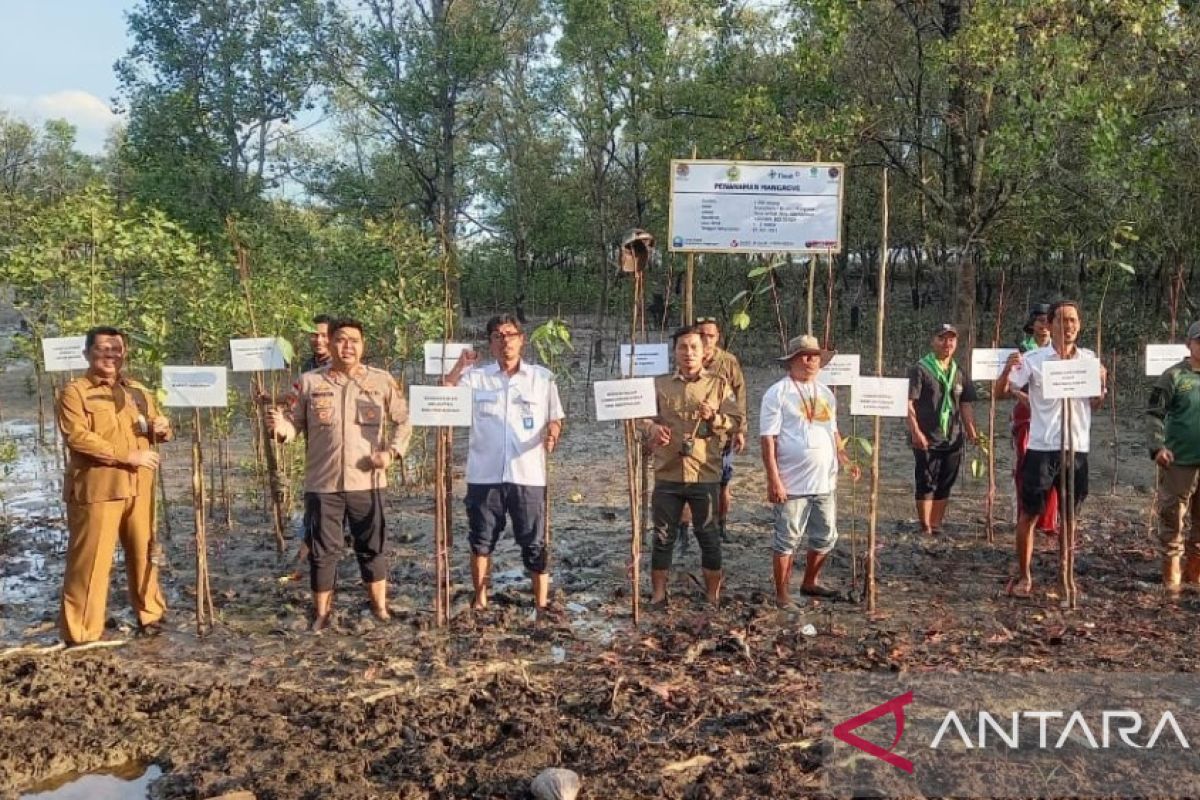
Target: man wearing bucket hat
1173, 418
939, 412
801, 451
1037, 336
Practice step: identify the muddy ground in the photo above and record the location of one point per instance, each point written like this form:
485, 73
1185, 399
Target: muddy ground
694, 703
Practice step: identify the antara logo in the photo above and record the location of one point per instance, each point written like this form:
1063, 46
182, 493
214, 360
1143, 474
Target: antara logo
895, 707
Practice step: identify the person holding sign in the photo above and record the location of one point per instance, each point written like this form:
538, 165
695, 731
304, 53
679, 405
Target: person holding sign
516, 422
1043, 460
697, 411
801, 451
1173, 419
1037, 336
939, 412
341, 410
108, 423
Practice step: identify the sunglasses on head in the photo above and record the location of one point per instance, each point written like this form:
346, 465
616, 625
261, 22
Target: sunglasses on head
706, 320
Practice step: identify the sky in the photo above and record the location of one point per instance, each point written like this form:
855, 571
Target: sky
56, 61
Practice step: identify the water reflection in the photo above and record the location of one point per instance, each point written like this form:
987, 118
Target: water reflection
129, 781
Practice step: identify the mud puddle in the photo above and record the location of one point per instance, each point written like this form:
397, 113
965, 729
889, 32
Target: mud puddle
127, 782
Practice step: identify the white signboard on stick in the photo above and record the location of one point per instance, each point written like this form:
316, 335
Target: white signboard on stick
439, 360
842, 370
64, 354
630, 398
195, 387
1161, 356
756, 207
879, 397
1070, 379
988, 362
261, 354
648, 360
440, 406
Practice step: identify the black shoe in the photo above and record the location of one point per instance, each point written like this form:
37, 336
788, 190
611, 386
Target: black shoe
149, 630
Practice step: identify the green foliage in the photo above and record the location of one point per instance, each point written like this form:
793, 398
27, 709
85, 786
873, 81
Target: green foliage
552, 340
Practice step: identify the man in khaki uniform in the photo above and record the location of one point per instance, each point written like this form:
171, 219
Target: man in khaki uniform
342, 409
722, 364
107, 422
696, 413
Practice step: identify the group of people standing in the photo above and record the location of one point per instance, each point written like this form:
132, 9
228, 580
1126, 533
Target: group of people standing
354, 419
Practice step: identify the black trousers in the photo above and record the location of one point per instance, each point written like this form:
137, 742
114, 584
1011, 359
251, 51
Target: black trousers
666, 509
325, 514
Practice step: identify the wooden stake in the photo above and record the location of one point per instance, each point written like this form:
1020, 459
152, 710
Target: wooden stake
812, 283
635, 540
441, 524
990, 501
689, 305
1066, 541
1112, 399
873, 503
205, 617
828, 299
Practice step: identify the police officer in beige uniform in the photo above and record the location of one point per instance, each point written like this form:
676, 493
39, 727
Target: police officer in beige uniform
342, 410
108, 422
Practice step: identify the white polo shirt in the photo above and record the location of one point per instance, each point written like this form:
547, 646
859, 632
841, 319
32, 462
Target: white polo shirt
803, 418
1045, 426
508, 418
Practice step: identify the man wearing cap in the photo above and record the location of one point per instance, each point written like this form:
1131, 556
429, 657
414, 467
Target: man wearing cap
108, 423
516, 422
1173, 419
939, 412
342, 410
1043, 460
725, 366
801, 451
696, 413
1037, 335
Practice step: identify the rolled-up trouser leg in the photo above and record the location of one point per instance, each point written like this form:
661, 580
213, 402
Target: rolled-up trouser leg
666, 509
702, 498
368, 532
325, 513
1176, 490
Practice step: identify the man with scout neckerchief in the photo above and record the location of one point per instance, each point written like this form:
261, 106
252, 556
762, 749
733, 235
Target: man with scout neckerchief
939, 411
696, 413
801, 451
109, 423
342, 409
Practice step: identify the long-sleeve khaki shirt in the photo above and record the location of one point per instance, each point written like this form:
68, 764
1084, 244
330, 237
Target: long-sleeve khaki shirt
99, 421
678, 408
343, 421
725, 365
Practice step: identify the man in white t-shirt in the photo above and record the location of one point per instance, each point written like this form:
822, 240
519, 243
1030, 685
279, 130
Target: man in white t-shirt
801, 450
516, 420
1043, 460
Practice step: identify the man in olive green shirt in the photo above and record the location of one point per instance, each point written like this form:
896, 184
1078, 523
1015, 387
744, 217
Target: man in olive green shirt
1173, 418
696, 413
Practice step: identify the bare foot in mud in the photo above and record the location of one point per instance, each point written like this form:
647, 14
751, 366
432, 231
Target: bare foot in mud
1022, 588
